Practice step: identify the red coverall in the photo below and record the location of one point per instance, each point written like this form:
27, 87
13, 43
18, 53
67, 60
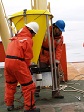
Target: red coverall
18, 56
44, 55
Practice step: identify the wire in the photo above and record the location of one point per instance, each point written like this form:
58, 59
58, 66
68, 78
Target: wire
32, 20
40, 15
18, 21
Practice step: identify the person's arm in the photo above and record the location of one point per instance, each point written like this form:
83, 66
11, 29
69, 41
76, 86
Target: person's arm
59, 51
28, 52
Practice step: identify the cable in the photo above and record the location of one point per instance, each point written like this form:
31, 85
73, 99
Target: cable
18, 21
31, 21
40, 15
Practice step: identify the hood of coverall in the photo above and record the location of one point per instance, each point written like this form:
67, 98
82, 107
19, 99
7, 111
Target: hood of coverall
24, 32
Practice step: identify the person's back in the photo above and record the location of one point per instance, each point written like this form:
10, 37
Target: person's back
21, 46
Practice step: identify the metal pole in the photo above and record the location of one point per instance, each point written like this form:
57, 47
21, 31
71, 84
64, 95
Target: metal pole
54, 64
10, 23
40, 4
24, 14
50, 51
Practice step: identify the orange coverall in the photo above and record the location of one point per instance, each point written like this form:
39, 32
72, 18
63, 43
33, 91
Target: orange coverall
18, 57
44, 54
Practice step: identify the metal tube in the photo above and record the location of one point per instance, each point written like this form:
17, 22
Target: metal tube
40, 4
24, 14
11, 32
50, 51
54, 63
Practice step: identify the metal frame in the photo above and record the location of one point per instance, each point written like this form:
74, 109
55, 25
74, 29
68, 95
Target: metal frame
53, 65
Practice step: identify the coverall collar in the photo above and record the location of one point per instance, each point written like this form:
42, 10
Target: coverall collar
24, 33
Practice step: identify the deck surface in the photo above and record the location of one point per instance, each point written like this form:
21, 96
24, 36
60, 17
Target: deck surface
45, 102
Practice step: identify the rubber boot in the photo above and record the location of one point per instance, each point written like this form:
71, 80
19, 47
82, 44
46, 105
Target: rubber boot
56, 94
33, 110
37, 91
10, 108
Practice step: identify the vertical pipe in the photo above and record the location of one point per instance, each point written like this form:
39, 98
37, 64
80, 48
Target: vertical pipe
10, 23
50, 51
48, 7
24, 14
40, 4
54, 63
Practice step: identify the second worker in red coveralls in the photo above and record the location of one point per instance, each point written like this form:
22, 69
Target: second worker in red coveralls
58, 28
18, 58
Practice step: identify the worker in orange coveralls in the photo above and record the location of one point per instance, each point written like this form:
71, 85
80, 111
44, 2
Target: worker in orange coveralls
18, 59
58, 28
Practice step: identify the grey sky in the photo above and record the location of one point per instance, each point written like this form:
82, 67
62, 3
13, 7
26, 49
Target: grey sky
61, 9
68, 9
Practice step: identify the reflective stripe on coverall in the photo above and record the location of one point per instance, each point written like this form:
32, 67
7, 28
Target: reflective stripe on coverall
17, 70
44, 54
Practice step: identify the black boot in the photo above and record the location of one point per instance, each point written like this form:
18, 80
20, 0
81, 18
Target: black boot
10, 108
33, 110
56, 94
37, 91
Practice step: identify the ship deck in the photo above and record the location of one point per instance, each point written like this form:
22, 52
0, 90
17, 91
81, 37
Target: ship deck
72, 90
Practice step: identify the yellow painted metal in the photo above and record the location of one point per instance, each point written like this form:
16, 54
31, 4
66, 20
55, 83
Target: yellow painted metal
38, 16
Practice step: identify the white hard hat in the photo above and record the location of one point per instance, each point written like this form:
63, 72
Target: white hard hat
33, 25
